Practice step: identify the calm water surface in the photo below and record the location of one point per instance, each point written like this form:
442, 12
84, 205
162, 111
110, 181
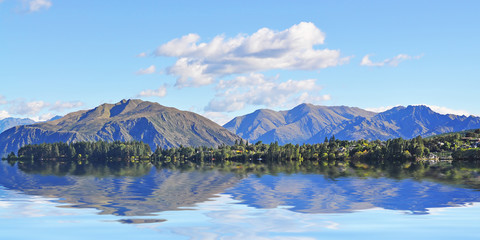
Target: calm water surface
66, 201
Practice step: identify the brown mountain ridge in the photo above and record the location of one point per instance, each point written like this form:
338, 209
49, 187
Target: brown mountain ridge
126, 120
167, 127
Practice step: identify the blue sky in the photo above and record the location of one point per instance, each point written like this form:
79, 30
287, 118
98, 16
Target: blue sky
227, 58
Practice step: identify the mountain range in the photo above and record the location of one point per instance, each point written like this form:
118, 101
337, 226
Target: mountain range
167, 127
307, 123
9, 122
127, 120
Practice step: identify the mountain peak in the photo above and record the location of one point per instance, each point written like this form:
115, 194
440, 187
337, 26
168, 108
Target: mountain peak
10, 122
132, 101
308, 123
419, 107
306, 105
291, 126
420, 110
125, 106
127, 120
54, 118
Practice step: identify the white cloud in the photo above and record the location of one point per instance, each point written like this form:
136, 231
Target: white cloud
37, 109
4, 114
387, 62
445, 110
367, 62
218, 117
28, 108
61, 106
142, 54
43, 117
160, 92
255, 89
244, 81
148, 70
2, 100
37, 5
200, 63
190, 73
438, 109
308, 98
380, 109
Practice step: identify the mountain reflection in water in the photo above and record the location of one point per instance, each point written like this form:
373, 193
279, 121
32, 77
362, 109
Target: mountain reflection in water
142, 189
130, 189
316, 194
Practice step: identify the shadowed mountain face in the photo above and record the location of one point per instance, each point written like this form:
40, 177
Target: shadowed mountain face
7, 123
405, 122
308, 123
293, 126
127, 120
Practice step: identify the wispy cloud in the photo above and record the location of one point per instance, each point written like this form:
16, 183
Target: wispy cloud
200, 63
37, 5
438, 109
37, 110
142, 54
380, 109
61, 106
309, 98
218, 117
445, 110
34, 107
393, 62
4, 114
43, 117
256, 89
160, 92
148, 70
2, 100
28, 108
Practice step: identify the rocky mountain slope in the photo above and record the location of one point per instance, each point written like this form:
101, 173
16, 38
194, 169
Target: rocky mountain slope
308, 123
127, 120
292, 126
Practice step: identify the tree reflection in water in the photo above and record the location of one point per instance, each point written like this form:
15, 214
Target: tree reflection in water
142, 188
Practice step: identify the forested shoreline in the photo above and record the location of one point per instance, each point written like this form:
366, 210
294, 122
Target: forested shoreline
456, 146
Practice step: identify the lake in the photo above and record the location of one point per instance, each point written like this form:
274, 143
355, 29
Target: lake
143, 201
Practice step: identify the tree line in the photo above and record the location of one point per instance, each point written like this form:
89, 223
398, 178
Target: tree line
99, 150
459, 146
